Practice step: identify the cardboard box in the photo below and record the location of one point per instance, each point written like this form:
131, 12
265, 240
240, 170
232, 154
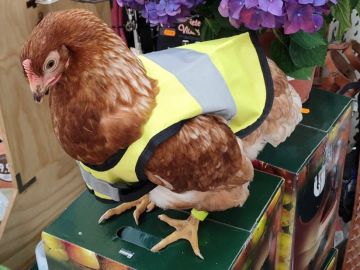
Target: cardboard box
330, 261
239, 238
311, 161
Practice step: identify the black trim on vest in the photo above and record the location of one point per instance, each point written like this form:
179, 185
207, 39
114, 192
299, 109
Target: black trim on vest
151, 146
132, 192
109, 163
269, 85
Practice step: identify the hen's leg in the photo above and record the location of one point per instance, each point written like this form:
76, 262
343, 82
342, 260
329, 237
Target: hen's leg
140, 205
185, 229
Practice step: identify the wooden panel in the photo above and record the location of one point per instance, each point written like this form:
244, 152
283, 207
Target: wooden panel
32, 147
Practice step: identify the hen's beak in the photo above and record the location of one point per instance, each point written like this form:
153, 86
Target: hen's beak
38, 97
38, 90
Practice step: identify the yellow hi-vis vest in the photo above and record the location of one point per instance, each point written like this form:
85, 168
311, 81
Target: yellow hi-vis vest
229, 77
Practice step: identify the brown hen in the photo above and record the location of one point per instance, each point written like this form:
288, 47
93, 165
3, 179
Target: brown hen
100, 98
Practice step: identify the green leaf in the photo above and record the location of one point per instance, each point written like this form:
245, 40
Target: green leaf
307, 57
209, 29
308, 41
280, 54
205, 31
222, 21
302, 73
353, 3
217, 27
357, 7
214, 25
342, 12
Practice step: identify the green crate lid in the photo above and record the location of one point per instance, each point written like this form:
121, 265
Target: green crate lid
325, 109
295, 152
220, 239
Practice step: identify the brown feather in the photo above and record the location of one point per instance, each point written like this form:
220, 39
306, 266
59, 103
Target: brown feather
282, 119
204, 155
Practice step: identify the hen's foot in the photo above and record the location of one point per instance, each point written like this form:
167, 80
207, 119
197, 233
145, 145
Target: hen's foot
185, 229
140, 205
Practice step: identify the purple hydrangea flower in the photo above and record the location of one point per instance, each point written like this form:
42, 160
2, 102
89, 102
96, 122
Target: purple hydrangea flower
272, 6
161, 8
292, 15
255, 18
189, 4
251, 3
151, 12
316, 3
322, 10
224, 8
231, 8
162, 11
302, 17
173, 9
235, 23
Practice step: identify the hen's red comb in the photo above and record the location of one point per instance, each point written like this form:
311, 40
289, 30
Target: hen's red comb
27, 66
28, 70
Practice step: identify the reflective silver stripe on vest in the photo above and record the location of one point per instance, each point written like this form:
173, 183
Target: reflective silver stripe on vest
200, 77
100, 186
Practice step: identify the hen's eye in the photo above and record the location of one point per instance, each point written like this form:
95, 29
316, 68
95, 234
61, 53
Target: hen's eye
50, 64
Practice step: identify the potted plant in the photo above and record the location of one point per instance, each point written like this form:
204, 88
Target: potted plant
292, 32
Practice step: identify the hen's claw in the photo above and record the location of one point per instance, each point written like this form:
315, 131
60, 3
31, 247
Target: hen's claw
185, 229
141, 204
150, 207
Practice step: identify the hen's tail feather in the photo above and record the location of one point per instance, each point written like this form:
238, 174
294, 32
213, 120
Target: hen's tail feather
282, 119
285, 123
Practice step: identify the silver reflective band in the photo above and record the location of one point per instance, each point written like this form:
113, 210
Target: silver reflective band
200, 77
100, 186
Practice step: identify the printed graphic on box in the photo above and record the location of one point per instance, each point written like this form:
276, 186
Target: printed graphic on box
318, 200
312, 167
261, 251
61, 254
330, 262
287, 213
